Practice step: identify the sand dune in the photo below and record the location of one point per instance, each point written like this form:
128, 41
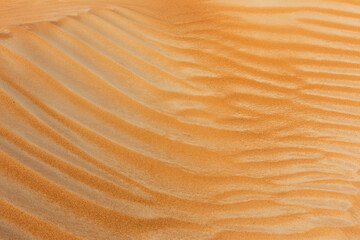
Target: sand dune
216, 119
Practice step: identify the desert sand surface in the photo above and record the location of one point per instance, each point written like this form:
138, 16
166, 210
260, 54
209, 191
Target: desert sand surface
180, 120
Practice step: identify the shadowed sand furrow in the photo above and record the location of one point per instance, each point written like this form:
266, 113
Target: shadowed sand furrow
180, 119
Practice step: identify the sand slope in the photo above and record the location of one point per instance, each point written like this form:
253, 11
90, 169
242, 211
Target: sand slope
180, 119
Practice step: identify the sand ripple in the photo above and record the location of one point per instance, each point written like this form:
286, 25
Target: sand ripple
180, 119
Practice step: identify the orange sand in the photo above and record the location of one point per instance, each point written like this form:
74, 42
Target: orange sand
172, 119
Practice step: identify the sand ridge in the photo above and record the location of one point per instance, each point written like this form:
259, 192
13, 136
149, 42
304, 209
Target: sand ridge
179, 119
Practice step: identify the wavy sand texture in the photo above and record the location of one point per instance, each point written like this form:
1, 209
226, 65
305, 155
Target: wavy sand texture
172, 119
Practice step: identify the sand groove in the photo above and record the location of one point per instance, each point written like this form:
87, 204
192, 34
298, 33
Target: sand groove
180, 119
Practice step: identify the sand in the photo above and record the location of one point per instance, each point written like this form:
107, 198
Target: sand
169, 119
